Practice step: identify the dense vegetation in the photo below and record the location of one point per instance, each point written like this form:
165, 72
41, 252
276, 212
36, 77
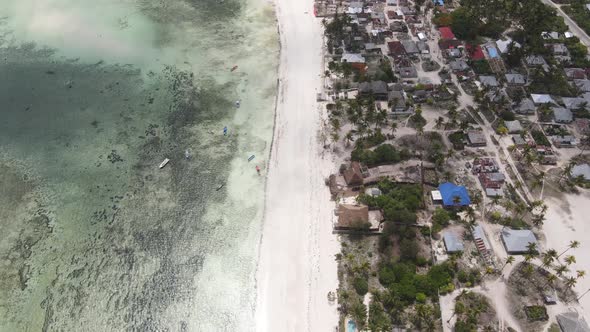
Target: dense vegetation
383, 154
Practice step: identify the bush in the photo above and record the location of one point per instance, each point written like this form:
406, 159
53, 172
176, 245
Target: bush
386, 276
536, 313
441, 217
383, 154
507, 115
360, 286
540, 138
408, 250
420, 297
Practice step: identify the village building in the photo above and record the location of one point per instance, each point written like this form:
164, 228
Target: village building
494, 59
513, 126
353, 175
515, 79
539, 99
357, 218
565, 141
452, 242
582, 170
575, 73
453, 195
535, 61
491, 180
423, 47
571, 321
396, 49
459, 65
494, 192
516, 241
562, 115
526, 106
410, 47
573, 103
505, 44
474, 52
476, 138
518, 140
582, 85
355, 60
378, 89
484, 165
583, 126
488, 81
446, 33
373, 192
481, 242
553, 35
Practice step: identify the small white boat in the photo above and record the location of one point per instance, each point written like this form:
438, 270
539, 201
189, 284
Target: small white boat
164, 163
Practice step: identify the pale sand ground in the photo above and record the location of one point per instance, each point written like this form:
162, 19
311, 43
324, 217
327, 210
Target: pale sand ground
567, 220
297, 267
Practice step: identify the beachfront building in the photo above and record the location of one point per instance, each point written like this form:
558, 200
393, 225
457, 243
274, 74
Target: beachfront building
453, 195
581, 171
517, 241
572, 322
353, 175
357, 218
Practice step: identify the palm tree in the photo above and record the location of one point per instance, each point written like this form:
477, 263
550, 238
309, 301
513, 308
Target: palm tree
509, 260
459, 310
561, 269
570, 282
456, 200
348, 138
532, 248
573, 244
567, 170
548, 257
393, 127
580, 274
569, 260
439, 122
551, 278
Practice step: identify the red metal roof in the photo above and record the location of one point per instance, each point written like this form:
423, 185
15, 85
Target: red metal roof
474, 52
396, 48
446, 33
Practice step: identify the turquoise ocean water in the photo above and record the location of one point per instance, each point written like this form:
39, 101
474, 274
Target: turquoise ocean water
94, 94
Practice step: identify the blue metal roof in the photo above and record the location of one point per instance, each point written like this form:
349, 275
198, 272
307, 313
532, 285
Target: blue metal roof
449, 191
493, 52
438, 2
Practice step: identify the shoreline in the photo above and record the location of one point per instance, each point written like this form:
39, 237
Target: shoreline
296, 264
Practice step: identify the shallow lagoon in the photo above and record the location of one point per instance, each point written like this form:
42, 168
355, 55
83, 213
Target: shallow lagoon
93, 96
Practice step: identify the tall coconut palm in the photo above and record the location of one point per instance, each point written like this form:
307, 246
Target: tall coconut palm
569, 260
548, 257
509, 260
439, 122
459, 309
561, 269
573, 244
551, 278
393, 127
570, 282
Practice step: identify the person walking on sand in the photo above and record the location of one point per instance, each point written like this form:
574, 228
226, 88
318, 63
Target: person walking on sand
257, 169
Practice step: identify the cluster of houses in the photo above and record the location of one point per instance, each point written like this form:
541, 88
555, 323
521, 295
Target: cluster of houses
359, 218
489, 175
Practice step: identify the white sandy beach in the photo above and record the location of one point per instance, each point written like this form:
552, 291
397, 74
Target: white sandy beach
297, 267
567, 220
